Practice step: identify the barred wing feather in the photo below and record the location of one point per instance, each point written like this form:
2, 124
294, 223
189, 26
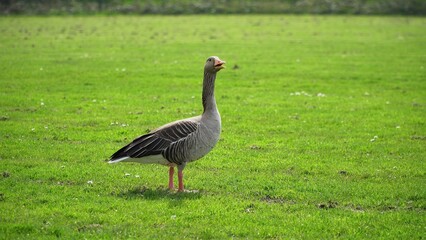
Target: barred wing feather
155, 142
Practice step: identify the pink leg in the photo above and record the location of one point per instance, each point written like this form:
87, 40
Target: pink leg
180, 178
171, 173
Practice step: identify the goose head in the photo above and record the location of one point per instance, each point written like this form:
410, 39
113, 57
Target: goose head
214, 64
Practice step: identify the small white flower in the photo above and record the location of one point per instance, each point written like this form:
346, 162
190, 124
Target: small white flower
46, 127
374, 139
33, 129
398, 127
127, 174
306, 94
94, 100
41, 103
320, 95
90, 182
137, 176
173, 217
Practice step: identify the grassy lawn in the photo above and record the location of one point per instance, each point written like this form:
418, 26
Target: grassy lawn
324, 126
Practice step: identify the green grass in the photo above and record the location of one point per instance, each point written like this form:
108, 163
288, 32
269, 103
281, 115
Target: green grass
323, 127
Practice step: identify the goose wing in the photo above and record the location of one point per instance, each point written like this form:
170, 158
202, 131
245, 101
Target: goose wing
155, 142
177, 130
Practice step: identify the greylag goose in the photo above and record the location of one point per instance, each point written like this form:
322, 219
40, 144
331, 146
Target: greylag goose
177, 143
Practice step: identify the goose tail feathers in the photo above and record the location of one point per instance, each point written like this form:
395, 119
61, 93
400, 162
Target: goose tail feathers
116, 160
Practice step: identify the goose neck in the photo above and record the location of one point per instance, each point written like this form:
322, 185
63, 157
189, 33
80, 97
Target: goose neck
209, 102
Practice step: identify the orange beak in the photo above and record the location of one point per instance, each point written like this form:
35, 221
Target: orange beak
218, 64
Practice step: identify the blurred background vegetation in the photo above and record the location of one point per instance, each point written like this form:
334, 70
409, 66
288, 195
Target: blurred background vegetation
60, 7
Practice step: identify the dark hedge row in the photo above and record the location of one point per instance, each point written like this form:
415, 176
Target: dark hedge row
44, 7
